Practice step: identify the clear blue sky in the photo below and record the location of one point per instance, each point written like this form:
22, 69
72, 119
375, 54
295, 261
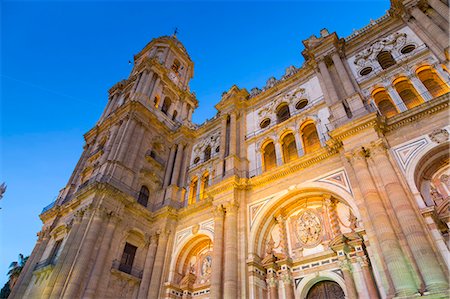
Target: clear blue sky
59, 59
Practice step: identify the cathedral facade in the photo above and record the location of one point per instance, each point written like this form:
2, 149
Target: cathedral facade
329, 182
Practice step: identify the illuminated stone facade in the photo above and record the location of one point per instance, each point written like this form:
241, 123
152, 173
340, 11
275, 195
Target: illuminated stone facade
330, 181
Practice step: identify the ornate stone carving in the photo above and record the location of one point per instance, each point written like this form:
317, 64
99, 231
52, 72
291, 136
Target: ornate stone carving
368, 56
439, 135
308, 228
290, 71
271, 82
255, 91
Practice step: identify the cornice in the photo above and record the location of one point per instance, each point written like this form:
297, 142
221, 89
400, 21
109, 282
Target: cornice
304, 73
354, 127
293, 167
426, 109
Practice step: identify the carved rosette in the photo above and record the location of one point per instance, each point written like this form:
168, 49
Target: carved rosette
308, 228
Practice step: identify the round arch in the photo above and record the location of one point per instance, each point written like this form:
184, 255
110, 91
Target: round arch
310, 280
427, 154
305, 190
182, 249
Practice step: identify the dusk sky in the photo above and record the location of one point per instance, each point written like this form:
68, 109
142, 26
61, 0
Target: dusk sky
58, 60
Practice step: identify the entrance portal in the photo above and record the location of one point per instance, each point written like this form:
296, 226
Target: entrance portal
326, 290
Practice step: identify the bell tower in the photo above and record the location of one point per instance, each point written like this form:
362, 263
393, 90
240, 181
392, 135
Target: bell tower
140, 142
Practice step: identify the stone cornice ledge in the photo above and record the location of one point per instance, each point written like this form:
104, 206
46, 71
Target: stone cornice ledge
354, 127
296, 165
428, 108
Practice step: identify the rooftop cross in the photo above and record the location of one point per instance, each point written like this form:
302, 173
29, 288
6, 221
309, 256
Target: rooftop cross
175, 32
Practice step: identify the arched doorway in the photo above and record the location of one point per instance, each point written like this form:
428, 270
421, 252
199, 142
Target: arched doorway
326, 289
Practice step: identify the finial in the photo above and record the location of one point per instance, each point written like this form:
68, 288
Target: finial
175, 32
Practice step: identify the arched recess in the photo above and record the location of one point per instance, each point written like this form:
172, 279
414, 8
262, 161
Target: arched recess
432, 81
310, 137
192, 260
310, 280
269, 156
294, 199
288, 147
384, 102
407, 92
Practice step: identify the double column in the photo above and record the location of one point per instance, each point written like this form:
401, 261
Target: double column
158, 265
81, 264
217, 255
148, 266
432, 274
391, 250
99, 265
343, 74
430, 27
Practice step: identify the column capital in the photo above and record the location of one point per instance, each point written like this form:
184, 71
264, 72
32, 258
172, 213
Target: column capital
356, 155
232, 206
218, 211
378, 147
345, 265
363, 261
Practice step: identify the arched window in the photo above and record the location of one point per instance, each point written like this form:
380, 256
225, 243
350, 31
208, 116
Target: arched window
174, 116
311, 141
289, 147
166, 105
269, 156
283, 113
385, 59
156, 101
193, 191
407, 92
384, 102
207, 153
143, 196
432, 82
176, 66
204, 185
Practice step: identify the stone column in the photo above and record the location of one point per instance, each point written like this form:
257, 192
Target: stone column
272, 284
398, 268
334, 221
398, 102
286, 277
331, 91
283, 234
177, 165
155, 87
183, 112
441, 8
278, 152
184, 166
148, 267
156, 277
431, 43
101, 257
115, 145
169, 165
429, 26
217, 255
231, 252
368, 278
147, 83
223, 136
67, 255
233, 137
190, 109
422, 90
27, 272
415, 234
348, 278
125, 142
346, 82
81, 265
